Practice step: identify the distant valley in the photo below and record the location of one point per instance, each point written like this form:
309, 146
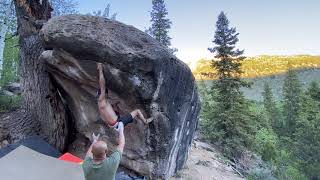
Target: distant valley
270, 69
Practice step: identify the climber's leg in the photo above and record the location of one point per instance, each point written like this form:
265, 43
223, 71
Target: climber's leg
106, 111
138, 113
127, 119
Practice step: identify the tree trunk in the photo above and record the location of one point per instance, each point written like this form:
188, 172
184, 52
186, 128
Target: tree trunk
41, 99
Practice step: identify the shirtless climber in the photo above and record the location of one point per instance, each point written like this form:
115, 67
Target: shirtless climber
107, 113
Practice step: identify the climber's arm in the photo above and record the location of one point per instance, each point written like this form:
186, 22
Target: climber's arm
106, 111
121, 140
102, 82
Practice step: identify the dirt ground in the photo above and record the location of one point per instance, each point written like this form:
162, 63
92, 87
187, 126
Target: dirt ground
204, 163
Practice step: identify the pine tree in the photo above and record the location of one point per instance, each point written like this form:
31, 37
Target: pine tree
10, 72
229, 125
291, 105
105, 13
307, 137
270, 106
314, 91
160, 24
8, 24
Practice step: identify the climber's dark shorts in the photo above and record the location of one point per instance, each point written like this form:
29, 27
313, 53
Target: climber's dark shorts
125, 119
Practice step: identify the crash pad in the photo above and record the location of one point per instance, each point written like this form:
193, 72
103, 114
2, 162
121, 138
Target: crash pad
71, 158
27, 164
35, 143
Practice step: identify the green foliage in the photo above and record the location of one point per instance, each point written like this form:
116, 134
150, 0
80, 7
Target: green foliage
286, 134
266, 144
227, 120
258, 116
286, 166
206, 92
304, 140
307, 137
314, 91
293, 173
272, 112
10, 68
261, 173
8, 16
291, 102
268, 103
293, 156
282, 162
8, 103
207, 103
160, 24
226, 128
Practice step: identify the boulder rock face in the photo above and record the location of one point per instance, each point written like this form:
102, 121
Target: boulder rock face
140, 73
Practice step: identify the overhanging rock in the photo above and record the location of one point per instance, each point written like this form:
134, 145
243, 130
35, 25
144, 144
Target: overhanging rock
140, 73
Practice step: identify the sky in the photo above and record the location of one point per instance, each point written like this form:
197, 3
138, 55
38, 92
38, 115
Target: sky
266, 27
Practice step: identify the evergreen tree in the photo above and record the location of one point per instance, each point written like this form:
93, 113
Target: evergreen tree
291, 104
265, 143
10, 72
229, 124
314, 91
8, 28
8, 24
160, 24
105, 13
307, 137
270, 106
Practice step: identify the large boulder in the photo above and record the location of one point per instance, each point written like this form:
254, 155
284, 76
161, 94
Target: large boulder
140, 73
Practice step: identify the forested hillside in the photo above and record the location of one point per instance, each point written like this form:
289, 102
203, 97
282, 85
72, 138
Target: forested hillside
259, 66
284, 117
278, 119
306, 76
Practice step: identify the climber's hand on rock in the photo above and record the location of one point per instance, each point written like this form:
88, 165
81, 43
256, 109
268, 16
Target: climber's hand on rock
95, 138
120, 127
